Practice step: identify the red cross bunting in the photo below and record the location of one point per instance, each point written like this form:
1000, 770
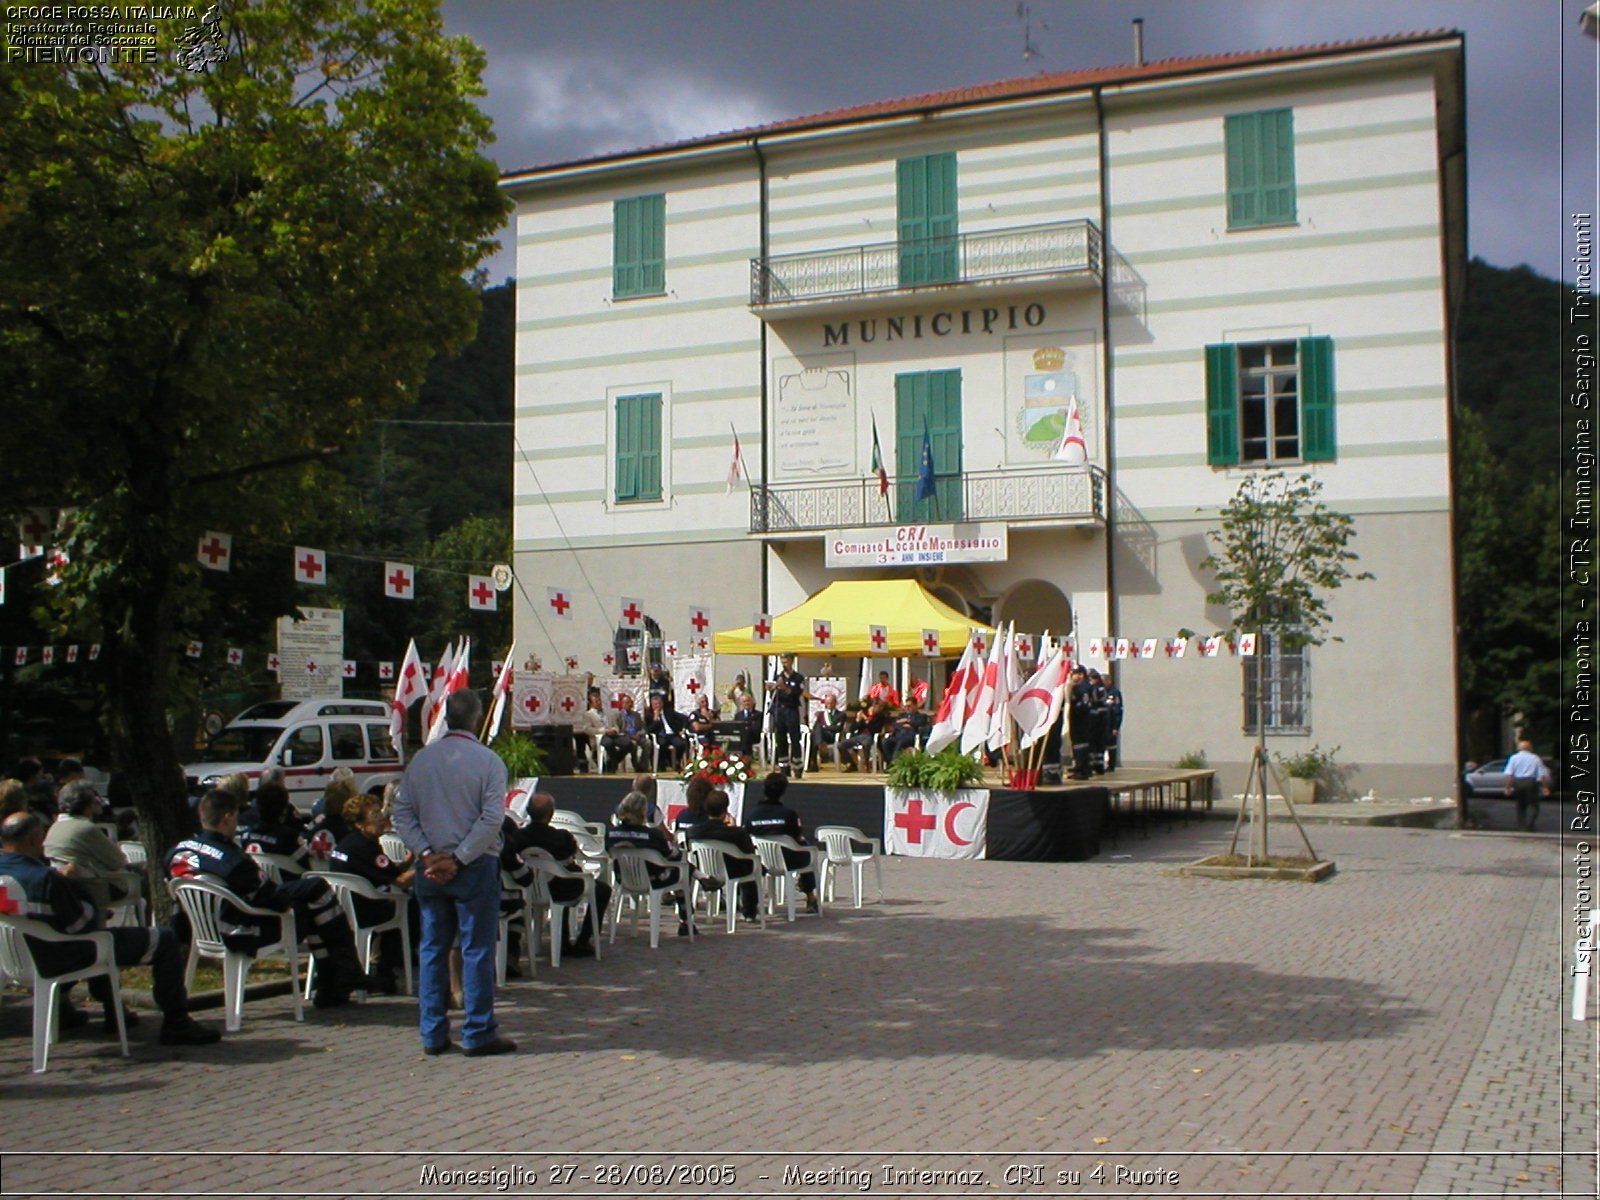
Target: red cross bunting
559, 602
572, 663
822, 633
386, 670
310, 567
609, 659
701, 643
632, 613
699, 620
692, 686
978, 644
272, 662
566, 704
235, 657
931, 642
349, 669
34, 528
761, 629
399, 581
192, 649
214, 550
879, 638
483, 593
914, 821
672, 649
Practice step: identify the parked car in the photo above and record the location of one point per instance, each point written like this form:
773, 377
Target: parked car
308, 739
1490, 778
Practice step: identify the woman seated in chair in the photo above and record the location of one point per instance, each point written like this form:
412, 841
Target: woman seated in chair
693, 811
329, 825
270, 830
360, 853
634, 829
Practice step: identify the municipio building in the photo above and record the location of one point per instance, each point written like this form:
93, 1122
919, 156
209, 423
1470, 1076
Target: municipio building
1228, 264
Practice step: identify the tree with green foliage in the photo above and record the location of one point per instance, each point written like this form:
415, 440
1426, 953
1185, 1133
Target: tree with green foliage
1280, 550
209, 281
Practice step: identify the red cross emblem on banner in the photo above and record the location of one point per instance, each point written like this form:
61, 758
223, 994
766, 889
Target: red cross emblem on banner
311, 666
214, 551
930, 642
978, 643
616, 702
192, 649
235, 657
272, 662
566, 704
399, 582
34, 528
671, 649
310, 566
609, 660
631, 613
385, 670
822, 633
531, 702
349, 670
914, 821
761, 629
698, 618
559, 602
483, 593
880, 638
702, 643
692, 686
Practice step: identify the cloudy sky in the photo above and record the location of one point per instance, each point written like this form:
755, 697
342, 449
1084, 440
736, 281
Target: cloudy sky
572, 78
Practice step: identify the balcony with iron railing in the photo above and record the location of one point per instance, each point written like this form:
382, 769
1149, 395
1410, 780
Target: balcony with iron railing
1064, 251
1044, 495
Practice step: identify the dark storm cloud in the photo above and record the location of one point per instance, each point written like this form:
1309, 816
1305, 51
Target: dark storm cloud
573, 78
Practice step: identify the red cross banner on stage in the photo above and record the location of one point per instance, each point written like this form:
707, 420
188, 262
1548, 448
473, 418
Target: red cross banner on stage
1246, 645
481, 596
930, 643
215, 551
1176, 646
878, 638
311, 566
399, 581
192, 650
72, 654
235, 656
822, 635
274, 663
385, 671
691, 679
1210, 646
567, 698
632, 613
47, 655
930, 824
531, 700
761, 628
348, 668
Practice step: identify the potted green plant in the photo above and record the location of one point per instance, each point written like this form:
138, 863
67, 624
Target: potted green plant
1192, 760
1307, 772
522, 756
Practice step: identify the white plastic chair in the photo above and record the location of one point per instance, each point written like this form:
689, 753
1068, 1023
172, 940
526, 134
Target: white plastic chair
202, 902
785, 884
135, 853
525, 918
277, 867
840, 849
17, 962
712, 858
631, 865
347, 887
565, 818
394, 846
546, 868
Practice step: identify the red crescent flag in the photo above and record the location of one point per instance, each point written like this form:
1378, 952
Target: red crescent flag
1037, 703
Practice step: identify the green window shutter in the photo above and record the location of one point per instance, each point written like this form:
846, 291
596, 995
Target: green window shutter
628, 447
1260, 166
1244, 170
1222, 405
638, 246
911, 198
1275, 134
1316, 399
650, 448
927, 225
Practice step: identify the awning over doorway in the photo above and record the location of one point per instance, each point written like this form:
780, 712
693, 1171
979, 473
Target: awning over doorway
853, 606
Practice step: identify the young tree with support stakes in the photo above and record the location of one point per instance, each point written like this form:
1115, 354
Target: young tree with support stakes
1280, 551
216, 268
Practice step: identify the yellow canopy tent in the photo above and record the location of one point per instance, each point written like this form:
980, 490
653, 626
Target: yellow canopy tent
853, 606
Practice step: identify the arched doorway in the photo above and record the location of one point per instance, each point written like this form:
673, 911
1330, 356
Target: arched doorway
1035, 606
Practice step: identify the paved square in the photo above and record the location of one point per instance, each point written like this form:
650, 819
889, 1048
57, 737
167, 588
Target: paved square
1023, 1029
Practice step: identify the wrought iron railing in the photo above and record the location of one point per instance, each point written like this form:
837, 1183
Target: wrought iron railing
1017, 494
1062, 248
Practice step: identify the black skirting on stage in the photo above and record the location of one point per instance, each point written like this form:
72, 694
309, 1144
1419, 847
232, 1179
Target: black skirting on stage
1044, 826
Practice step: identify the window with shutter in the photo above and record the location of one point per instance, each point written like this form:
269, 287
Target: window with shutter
1270, 402
638, 448
638, 246
925, 190
1260, 168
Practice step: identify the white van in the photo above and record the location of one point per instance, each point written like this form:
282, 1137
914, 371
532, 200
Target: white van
308, 739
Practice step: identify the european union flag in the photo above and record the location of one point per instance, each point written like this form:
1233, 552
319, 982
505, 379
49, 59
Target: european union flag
925, 479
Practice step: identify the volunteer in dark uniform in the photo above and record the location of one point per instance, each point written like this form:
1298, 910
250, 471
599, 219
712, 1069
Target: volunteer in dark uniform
773, 818
788, 694
266, 828
361, 853
633, 813
906, 731
1114, 710
318, 918
49, 896
1099, 722
1081, 701
559, 844
713, 826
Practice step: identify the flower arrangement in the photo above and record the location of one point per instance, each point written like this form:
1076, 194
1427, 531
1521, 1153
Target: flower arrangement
719, 766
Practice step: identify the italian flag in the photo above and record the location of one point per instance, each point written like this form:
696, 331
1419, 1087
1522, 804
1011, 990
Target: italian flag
877, 461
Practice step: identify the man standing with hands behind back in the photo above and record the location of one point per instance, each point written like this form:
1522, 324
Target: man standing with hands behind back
449, 809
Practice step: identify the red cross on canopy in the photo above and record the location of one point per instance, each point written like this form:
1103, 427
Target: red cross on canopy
931, 641
482, 593
560, 603
699, 620
214, 550
878, 639
399, 581
309, 566
914, 821
762, 628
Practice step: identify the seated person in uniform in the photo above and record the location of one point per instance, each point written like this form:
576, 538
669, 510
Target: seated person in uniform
773, 818
634, 829
539, 834
873, 719
271, 831
49, 896
318, 918
716, 826
906, 730
361, 853
81, 850
694, 806
328, 824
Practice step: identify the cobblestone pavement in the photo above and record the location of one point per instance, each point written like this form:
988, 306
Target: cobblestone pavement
1016, 1029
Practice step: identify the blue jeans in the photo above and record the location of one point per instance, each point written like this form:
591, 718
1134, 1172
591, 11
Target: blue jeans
468, 904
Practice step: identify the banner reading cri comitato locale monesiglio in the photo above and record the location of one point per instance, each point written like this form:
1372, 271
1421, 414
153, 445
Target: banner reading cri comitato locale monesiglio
916, 545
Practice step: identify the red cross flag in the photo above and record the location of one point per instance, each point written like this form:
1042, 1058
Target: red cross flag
47, 655
1210, 646
481, 596
930, 643
21, 655
408, 689
386, 671
349, 668
1024, 646
1247, 645
235, 656
702, 644
634, 655
700, 618
399, 581
980, 644
632, 613
215, 551
500, 693
560, 603
94, 651
192, 650
878, 636
672, 649
1122, 649
936, 824
822, 634
761, 628
494, 666
311, 566
610, 660
572, 662
273, 663
72, 654
1150, 645
1097, 648
1176, 646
